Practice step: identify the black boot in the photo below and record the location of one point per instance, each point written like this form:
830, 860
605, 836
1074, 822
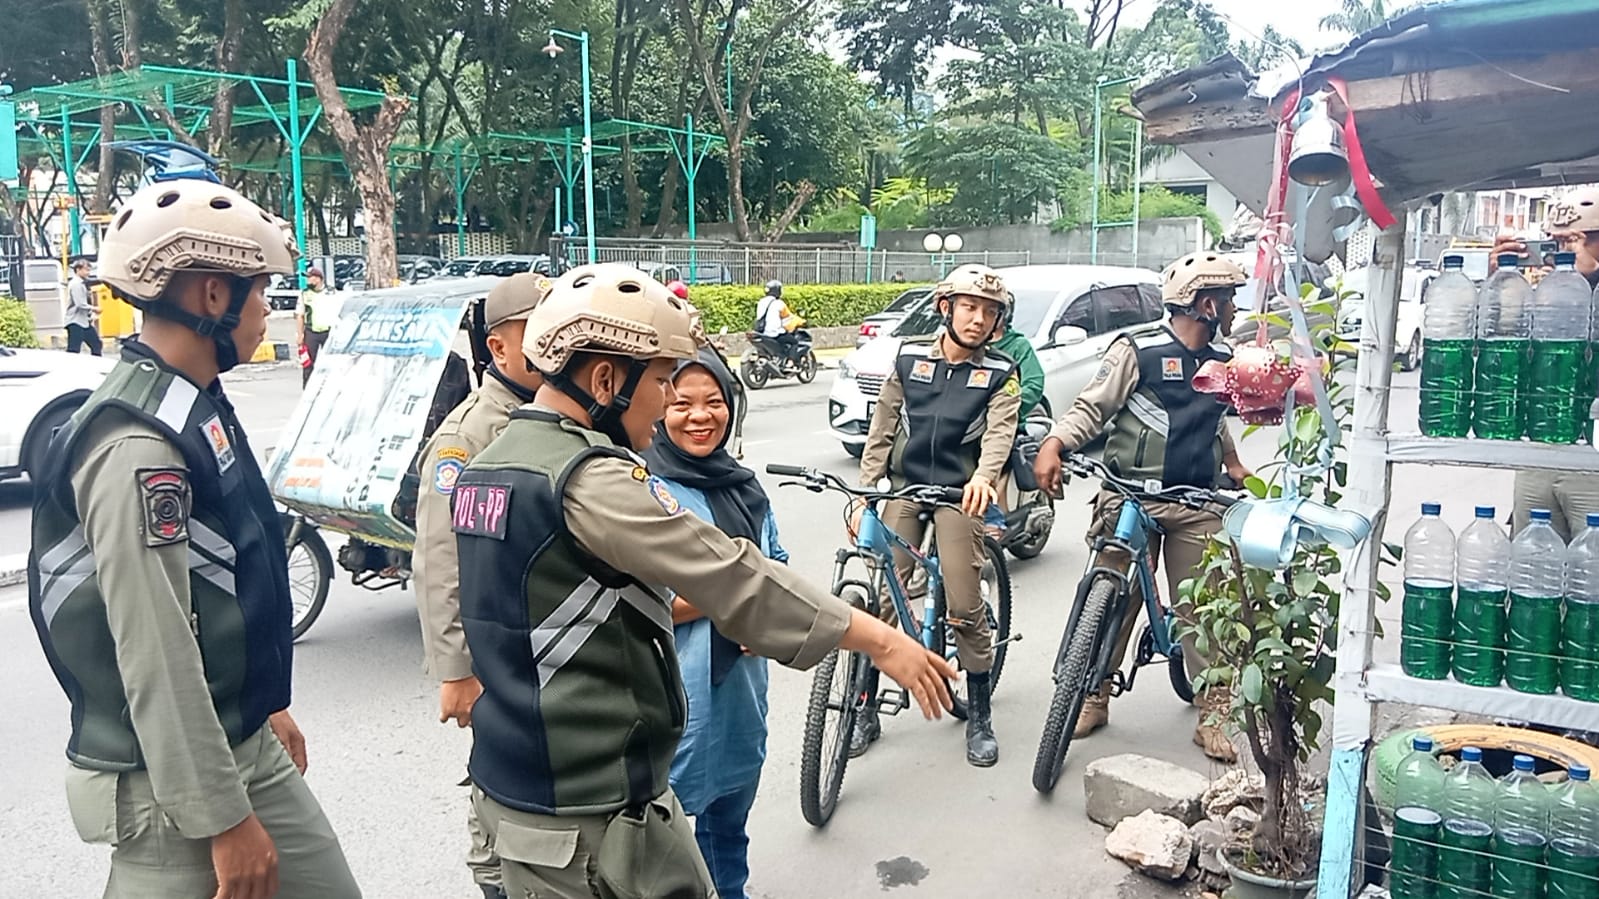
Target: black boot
982, 749
868, 728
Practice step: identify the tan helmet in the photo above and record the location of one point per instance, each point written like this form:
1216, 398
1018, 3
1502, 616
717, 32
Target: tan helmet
515, 297
1576, 211
609, 308
191, 225
1185, 278
973, 280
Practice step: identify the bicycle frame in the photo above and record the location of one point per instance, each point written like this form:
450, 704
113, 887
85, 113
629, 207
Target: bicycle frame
1132, 536
874, 545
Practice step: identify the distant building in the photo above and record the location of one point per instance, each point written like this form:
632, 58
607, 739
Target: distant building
1179, 174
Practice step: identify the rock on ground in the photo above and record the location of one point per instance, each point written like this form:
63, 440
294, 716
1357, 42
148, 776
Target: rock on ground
1154, 844
1236, 787
1121, 786
1210, 838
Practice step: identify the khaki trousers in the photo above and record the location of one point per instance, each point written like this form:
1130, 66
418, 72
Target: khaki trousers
152, 860
960, 555
1182, 546
481, 859
1568, 495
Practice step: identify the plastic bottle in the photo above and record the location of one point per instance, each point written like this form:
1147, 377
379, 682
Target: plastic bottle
1448, 342
1418, 823
1482, 565
1574, 837
1537, 585
1579, 637
1504, 335
1427, 625
1465, 868
1521, 833
1557, 379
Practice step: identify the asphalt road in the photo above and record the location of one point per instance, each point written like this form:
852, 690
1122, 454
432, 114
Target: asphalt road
913, 818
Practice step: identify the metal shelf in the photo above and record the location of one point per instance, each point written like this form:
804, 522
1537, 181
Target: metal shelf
1388, 683
1410, 449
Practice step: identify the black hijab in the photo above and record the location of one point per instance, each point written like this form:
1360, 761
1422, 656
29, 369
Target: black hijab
739, 504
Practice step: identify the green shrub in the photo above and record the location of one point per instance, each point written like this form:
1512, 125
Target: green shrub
822, 305
1154, 202
16, 323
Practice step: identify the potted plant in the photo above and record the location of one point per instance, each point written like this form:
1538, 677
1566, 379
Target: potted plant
1269, 637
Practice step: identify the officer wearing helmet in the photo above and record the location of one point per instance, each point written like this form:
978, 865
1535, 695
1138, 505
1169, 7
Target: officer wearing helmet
1160, 430
1573, 222
563, 535
158, 582
947, 416
509, 382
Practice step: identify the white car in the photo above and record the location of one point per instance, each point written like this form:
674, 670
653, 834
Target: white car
40, 389
1412, 305
1070, 312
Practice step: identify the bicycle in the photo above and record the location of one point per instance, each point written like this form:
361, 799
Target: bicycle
1104, 595
841, 686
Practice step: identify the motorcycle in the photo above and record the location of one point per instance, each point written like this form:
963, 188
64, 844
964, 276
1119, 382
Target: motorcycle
1032, 511
767, 359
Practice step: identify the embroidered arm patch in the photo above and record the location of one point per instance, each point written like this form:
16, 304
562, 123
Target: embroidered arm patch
480, 510
167, 501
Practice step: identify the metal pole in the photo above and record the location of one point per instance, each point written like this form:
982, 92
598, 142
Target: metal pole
1138, 174
295, 172
460, 207
692, 170
70, 239
588, 150
1093, 201
568, 177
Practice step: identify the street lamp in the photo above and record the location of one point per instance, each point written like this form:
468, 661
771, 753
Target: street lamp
941, 250
553, 49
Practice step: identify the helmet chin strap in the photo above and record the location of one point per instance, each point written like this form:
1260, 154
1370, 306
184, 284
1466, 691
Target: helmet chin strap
220, 330
605, 418
949, 328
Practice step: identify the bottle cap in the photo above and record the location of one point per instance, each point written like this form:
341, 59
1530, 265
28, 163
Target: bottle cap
1485, 511
1523, 762
1565, 259
1471, 754
1577, 772
1593, 520
1509, 260
1422, 744
1454, 261
1539, 515
1430, 508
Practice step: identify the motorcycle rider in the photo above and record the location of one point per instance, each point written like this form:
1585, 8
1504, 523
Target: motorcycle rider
1161, 430
950, 400
775, 320
1019, 347
158, 581
508, 383
560, 529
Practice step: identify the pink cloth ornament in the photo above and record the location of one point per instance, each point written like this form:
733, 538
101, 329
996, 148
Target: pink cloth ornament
1254, 383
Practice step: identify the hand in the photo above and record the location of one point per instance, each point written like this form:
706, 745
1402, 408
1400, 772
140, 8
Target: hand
289, 735
977, 495
456, 698
924, 674
1047, 467
245, 860
1239, 472
1504, 242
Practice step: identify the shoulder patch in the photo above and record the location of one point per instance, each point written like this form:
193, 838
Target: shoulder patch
663, 495
1013, 386
216, 434
480, 510
640, 473
445, 473
452, 452
167, 500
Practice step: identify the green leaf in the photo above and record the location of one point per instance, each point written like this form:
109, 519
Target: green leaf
1253, 683
1250, 429
1396, 550
1304, 581
1273, 644
1255, 486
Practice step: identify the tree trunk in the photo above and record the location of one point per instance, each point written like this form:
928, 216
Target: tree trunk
802, 195
366, 148
221, 126
100, 49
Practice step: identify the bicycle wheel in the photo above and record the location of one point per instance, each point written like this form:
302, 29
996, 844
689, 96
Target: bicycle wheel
994, 582
1177, 670
837, 691
1071, 685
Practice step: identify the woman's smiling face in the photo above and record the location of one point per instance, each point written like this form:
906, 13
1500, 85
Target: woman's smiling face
696, 421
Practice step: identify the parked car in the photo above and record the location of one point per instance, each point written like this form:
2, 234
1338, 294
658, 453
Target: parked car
414, 269
281, 292
700, 273
1412, 304
880, 322
506, 266
40, 389
1070, 312
462, 267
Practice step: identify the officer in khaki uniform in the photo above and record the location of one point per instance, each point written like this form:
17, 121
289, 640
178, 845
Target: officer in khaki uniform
508, 383
947, 416
158, 582
562, 533
1161, 430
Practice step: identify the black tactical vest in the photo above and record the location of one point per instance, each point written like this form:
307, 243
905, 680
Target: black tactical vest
582, 703
1168, 432
945, 413
238, 570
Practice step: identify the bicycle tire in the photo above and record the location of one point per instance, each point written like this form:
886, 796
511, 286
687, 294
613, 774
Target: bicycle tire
819, 785
1177, 670
1071, 686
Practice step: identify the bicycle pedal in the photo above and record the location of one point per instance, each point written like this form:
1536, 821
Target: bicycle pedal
1118, 684
892, 701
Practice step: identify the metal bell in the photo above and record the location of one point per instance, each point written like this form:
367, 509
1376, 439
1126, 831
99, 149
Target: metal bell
1318, 155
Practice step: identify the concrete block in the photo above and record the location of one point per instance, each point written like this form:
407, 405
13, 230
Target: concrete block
1156, 845
1121, 786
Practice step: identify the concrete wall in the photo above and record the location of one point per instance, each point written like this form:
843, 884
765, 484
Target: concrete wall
1159, 242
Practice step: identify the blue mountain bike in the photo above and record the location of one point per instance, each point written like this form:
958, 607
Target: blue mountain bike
1104, 600
843, 683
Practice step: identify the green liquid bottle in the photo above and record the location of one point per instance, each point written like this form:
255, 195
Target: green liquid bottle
1504, 332
1574, 837
1448, 342
1558, 383
1465, 859
1418, 823
1579, 635
1537, 585
1521, 833
1482, 563
1427, 624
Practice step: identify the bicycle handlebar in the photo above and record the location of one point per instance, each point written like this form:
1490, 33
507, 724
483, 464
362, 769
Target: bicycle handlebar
1193, 497
817, 481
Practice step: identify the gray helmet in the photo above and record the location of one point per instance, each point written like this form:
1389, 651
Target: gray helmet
774, 288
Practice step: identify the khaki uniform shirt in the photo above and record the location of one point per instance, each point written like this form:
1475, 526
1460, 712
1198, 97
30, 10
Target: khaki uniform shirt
1106, 395
999, 434
146, 590
462, 434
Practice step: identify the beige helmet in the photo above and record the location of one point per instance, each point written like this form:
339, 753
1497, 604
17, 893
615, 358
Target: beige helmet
973, 280
1576, 211
191, 225
1185, 278
609, 308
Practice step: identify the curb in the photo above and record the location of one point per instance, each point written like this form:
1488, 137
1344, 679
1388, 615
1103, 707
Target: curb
273, 351
13, 570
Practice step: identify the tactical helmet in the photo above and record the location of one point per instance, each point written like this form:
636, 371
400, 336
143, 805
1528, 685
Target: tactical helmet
1182, 281
608, 308
973, 280
1576, 211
